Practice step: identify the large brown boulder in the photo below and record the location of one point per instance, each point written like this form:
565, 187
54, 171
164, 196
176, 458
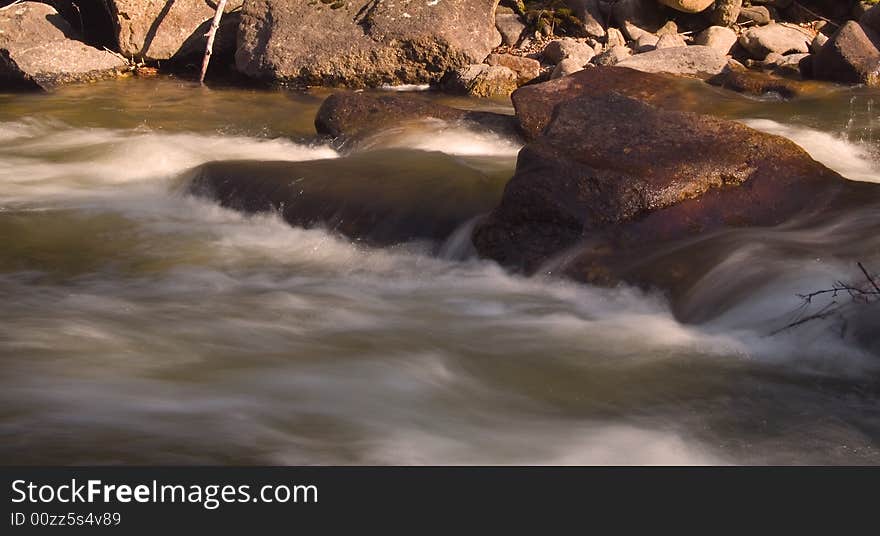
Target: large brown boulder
619, 175
40, 50
156, 30
362, 43
378, 197
350, 116
535, 104
851, 55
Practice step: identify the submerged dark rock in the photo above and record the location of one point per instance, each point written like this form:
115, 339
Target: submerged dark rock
617, 175
349, 116
378, 197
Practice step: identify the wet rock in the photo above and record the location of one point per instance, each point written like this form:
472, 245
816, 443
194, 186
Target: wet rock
589, 13
560, 49
684, 60
759, 83
362, 43
612, 56
526, 69
717, 37
510, 26
851, 55
726, 12
348, 117
635, 17
378, 197
39, 50
758, 15
777, 38
534, 104
481, 80
662, 176
160, 30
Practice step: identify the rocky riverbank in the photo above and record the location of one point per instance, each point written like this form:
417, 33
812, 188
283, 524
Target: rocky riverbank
476, 47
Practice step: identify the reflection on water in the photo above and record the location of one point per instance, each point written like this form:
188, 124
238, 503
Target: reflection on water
142, 325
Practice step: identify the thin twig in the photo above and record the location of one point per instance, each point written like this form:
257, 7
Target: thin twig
221, 5
868, 276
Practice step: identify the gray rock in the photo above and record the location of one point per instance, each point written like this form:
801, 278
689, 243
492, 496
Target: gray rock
566, 67
616, 38
818, 42
510, 26
670, 41
717, 37
612, 56
759, 15
688, 6
161, 30
726, 12
38, 50
851, 55
689, 61
526, 69
646, 42
777, 38
363, 43
560, 49
482, 80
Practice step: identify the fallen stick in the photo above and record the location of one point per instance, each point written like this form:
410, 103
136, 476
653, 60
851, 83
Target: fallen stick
221, 5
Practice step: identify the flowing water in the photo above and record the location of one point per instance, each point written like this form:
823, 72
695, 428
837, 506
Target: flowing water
141, 325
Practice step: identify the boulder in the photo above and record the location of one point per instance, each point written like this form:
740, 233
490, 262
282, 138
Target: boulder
612, 56
684, 60
362, 43
758, 15
481, 80
39, 50
778, 38
717, 37
534, 104
670, 41
560, 49
851, 55
155, 30
380, 197
510, 26
349, 117
526, 69
646, 43
635, 17
688, 6
726, 12
610, 176
566, 67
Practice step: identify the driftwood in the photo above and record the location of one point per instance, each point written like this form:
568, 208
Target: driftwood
212, 32
864, 293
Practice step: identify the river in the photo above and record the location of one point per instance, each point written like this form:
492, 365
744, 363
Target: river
139, 324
